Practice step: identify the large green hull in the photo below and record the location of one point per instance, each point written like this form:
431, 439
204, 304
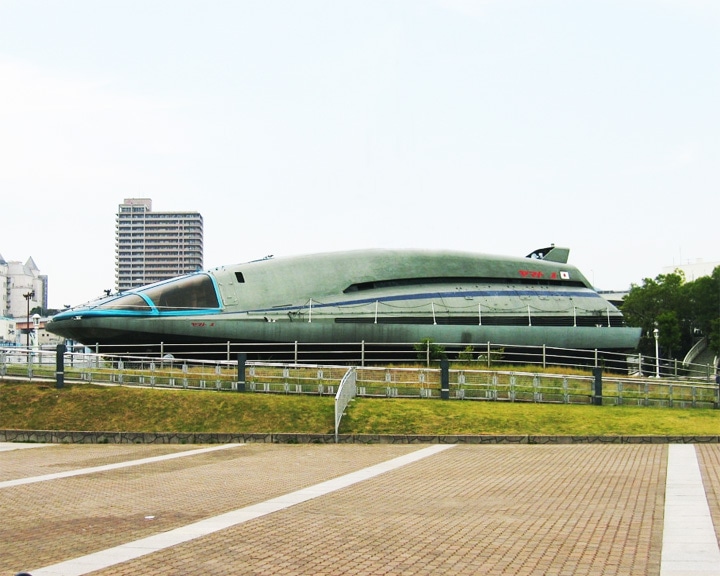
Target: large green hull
374, 296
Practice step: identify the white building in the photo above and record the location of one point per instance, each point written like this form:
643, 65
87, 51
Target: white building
8, 331
153, 246
3, 287
22, 287
693, 270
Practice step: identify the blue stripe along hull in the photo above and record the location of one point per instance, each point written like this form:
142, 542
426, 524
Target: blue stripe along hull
455, 295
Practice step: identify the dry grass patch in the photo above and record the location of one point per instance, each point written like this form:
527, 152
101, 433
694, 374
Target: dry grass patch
89, 407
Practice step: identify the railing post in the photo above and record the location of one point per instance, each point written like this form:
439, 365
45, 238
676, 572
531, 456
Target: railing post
241, 360
444, 379
597, 386
60, 366
29, 364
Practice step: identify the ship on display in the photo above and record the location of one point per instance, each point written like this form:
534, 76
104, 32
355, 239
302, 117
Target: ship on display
383, 297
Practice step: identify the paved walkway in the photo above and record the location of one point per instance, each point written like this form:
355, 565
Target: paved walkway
690, 545
353, 509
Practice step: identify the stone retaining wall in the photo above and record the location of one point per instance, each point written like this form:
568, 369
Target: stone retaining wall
76, 437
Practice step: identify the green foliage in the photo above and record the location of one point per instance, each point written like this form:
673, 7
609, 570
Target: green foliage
670, 336
714, 339
467, 355
680, 310
704, 300
496, 357
427, 346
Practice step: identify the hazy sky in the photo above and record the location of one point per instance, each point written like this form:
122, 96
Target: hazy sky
494, 126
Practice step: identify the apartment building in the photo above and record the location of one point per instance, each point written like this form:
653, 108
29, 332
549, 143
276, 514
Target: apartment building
152, 246
22, 288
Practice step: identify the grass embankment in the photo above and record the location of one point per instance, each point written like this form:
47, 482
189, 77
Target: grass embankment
96, 408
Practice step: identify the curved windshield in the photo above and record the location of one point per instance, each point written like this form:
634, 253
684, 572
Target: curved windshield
128, 302
195, 292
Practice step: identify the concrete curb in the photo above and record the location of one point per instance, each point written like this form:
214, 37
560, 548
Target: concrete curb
78, 437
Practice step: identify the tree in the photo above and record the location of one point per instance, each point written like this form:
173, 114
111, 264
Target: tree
681, 312
714, 336
710, 310
670, 334
644, 305
702, 295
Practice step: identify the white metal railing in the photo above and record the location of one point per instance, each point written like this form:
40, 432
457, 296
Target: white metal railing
345, 394
467, 380
537, 387
481, 354
695, 351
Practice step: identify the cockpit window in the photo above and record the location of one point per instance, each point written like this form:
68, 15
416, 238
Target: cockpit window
127, 302
196, 292
188, 293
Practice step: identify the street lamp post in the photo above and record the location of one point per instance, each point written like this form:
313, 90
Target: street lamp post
36, 330
656, 333
28, 296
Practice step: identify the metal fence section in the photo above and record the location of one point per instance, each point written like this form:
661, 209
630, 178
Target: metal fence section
467, 380
474, 385
487, 355
347, 390
538, 387
168, 372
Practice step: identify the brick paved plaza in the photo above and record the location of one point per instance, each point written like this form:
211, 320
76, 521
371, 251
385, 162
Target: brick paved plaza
469, 509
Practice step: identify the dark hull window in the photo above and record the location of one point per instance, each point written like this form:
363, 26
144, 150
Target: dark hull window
459, 280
